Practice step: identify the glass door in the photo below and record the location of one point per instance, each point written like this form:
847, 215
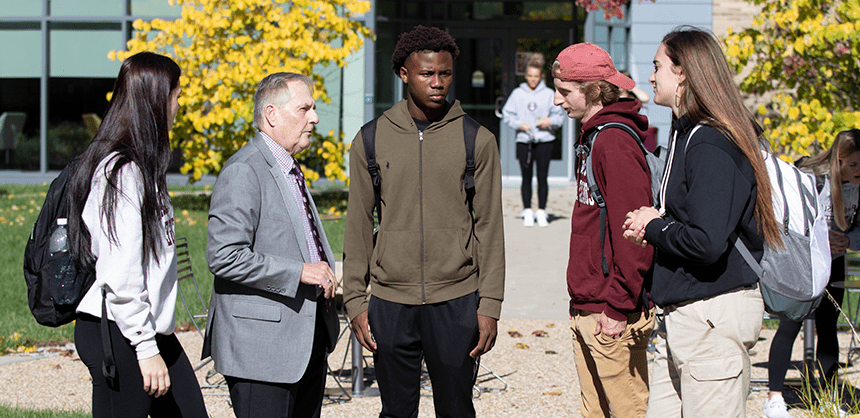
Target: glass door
478, 75
490, 66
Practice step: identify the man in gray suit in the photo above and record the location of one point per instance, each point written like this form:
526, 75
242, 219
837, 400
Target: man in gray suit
271, 323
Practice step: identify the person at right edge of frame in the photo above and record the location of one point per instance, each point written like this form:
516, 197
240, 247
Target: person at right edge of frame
715, 190
436, 277
837, 172
610, 320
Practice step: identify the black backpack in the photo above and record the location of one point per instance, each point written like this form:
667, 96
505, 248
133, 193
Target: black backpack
55, 284
368, 137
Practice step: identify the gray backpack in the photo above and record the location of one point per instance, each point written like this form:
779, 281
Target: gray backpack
792, 279
656, 167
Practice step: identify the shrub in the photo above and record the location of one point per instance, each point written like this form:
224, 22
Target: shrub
65, 141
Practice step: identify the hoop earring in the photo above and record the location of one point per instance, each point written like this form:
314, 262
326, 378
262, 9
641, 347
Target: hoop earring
677, 98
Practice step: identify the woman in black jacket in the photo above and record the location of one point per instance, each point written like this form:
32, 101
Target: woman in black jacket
715, 190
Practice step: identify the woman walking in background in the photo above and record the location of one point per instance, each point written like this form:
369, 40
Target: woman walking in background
716, 190
121, 222
838, 171
530, 112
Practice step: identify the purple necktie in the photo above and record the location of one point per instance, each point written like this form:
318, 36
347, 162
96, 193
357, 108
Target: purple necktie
300, 181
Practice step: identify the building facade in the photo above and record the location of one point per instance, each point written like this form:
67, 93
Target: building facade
55, 65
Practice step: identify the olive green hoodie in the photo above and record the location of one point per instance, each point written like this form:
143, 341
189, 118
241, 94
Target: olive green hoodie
425, 250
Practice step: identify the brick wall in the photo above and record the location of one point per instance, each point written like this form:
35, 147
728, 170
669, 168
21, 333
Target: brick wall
737, 14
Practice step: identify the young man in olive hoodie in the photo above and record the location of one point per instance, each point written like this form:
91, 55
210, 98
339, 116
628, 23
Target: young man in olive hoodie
436, 279
609, 322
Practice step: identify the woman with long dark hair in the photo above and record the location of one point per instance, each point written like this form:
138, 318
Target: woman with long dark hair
716, 190
121, 223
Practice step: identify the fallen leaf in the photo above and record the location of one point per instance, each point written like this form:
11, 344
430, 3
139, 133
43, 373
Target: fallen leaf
554, 393
550, 325
514, 333
521, 346
550, 352
540, 333
57, 366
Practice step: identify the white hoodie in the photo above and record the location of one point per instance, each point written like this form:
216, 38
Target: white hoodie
141, 302
526, 105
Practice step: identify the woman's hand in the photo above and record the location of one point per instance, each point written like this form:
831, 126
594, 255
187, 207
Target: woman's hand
156, 379
634, 224
838, 242
543, 123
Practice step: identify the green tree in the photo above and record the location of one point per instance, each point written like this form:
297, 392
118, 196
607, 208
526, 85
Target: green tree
807, 55
225, 47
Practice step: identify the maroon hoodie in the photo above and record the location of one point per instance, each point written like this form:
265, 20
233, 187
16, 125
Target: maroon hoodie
622, 177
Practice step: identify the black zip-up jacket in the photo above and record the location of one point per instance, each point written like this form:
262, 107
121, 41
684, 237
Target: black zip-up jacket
710, 198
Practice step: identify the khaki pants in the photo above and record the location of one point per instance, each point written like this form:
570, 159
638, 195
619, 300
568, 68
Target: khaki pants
702, 366
613, 373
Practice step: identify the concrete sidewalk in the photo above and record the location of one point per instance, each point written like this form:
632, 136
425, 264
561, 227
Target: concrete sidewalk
536, 258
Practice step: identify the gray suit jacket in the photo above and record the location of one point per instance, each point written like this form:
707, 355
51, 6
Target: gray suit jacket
261, 318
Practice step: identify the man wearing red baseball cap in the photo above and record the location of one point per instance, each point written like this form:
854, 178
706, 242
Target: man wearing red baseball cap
610, 318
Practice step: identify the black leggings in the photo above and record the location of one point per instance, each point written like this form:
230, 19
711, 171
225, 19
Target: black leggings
128, 400
541, 153
827, 351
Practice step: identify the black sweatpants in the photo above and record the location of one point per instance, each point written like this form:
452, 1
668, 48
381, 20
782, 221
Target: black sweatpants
128, 400
443, 334
827, 351
541, 153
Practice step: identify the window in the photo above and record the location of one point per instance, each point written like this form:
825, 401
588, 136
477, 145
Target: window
612, 35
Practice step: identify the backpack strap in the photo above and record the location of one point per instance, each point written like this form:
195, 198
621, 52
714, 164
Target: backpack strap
108, 362
368, 137
742, 248
592, 182
470, 133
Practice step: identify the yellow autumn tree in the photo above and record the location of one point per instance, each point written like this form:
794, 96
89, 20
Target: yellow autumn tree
225, 47
806, 53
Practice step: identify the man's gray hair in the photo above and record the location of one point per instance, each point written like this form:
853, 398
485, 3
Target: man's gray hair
275, 90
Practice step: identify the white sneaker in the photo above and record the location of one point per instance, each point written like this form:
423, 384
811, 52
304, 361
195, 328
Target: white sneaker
775, 407
528, 218
540, 216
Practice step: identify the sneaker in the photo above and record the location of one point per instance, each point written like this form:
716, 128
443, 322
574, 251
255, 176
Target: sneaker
540, 216
528, 218
775, 407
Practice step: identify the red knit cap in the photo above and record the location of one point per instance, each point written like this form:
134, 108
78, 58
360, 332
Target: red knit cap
589, 62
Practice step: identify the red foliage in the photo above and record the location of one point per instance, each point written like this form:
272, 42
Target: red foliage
611, 8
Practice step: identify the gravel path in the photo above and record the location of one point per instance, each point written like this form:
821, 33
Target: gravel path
539, 372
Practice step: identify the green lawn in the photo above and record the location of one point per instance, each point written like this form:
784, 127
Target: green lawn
7, 412
19, 207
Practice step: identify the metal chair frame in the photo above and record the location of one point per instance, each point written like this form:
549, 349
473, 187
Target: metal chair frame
184, 272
